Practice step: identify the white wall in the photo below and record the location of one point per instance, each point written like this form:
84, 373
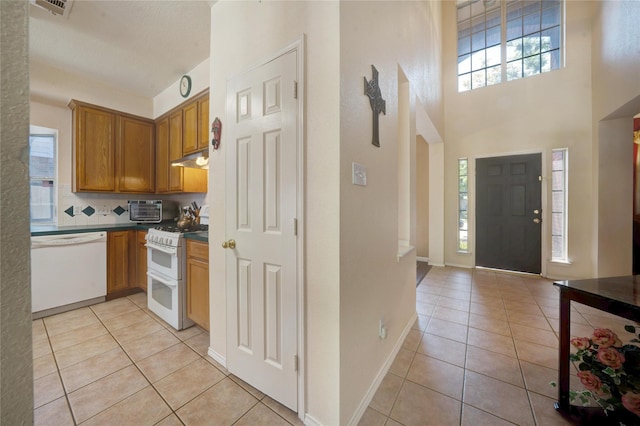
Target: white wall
170, 97
52, 86
243, 34
535, 114
616, 99
374, 285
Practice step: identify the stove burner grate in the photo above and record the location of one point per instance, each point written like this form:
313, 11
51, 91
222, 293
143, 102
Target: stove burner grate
175, 229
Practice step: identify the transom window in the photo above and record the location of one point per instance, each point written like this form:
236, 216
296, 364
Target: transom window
504, 40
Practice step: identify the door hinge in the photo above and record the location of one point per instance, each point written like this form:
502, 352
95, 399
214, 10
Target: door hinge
295, 89
295, 226
295, 362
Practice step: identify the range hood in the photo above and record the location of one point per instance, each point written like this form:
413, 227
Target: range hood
197, 160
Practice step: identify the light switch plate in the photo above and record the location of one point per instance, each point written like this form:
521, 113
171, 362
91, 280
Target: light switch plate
359, 174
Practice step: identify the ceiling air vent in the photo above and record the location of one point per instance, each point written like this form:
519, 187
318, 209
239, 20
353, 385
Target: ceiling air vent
57, 7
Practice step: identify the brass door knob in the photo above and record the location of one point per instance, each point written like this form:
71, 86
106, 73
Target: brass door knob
537, 220
229, 244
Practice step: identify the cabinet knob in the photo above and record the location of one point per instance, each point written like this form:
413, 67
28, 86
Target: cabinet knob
536, 220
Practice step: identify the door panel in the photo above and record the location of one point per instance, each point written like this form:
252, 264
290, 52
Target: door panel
508, 191
261, 186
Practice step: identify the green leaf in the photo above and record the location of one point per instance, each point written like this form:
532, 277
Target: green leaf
553, 384
609, 372
630, 329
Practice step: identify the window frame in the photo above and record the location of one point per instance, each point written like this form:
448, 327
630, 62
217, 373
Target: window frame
477, 31
52, 218
460, 228
564, 252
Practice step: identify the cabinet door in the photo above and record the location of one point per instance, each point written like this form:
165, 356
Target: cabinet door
162, 155
118, 264
136, 155
203, 123
175, 150
190, 128
198, 292
198, 283
141, 264
95, 149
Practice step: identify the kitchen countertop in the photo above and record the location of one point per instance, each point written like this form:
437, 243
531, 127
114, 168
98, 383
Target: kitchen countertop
54, 230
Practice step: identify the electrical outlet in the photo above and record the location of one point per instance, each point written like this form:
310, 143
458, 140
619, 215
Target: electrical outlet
382, 330
103, 210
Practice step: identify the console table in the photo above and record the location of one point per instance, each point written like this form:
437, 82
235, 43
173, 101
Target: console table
617, 295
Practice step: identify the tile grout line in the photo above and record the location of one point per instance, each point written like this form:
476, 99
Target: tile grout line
127, 355
55, 360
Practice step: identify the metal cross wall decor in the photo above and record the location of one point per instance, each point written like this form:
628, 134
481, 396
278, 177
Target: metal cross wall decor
378, 105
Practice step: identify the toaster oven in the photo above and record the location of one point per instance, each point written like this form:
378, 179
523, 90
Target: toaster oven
152, 211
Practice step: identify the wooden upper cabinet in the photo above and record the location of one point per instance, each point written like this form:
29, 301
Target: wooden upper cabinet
179, 132
190, 128
94, 135
175, 151
162, 155
203, 123
112, 151
136, 155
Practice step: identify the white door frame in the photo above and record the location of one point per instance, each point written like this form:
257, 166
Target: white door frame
298, 46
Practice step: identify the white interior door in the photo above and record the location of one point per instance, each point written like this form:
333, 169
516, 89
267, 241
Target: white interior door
261, 187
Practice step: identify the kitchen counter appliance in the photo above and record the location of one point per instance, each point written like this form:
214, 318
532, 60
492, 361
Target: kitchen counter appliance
152, 211
166, 274
68, 271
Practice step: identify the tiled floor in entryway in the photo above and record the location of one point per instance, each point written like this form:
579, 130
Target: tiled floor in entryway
482, 352
116, 363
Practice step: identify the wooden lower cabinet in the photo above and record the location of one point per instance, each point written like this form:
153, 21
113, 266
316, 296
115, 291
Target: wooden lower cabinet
141, 263
198, 282
121, 259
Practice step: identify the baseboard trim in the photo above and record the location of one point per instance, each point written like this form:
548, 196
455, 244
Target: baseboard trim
455, 265
422, 259
217, 357
357, 416
311, 421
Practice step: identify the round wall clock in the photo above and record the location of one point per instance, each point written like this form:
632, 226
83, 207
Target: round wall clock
185, 86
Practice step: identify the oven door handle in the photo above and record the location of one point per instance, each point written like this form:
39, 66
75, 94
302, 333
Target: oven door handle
162, 249
161, 279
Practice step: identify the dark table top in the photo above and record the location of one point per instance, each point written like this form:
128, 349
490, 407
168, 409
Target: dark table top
622, 292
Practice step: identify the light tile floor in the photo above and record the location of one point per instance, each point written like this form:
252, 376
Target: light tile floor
116, 363
482, 352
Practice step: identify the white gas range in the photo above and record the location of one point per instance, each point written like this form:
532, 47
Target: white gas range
166, 274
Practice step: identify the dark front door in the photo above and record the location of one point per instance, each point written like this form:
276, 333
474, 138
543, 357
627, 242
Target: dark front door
508, 212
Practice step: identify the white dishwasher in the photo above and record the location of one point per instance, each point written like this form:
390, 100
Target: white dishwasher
68, 271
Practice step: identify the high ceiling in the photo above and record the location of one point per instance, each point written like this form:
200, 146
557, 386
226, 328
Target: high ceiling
142, 46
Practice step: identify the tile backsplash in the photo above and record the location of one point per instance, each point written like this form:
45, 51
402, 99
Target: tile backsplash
100, 209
